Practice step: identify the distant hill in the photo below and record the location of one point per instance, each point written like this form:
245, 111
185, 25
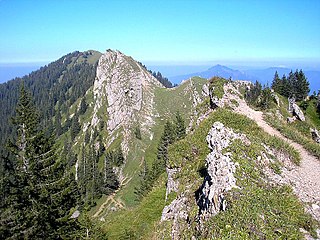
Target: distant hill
264, 76
217, 70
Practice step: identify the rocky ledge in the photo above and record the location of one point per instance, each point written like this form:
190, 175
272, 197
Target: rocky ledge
220, 171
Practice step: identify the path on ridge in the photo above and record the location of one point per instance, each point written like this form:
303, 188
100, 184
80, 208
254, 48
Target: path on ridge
305, 178
111, 198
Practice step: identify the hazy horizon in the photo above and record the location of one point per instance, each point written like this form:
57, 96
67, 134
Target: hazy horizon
162, 31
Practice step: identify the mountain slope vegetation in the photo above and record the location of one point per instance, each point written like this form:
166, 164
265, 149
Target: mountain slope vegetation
147, 161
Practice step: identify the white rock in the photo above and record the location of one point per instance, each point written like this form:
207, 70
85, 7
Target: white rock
220, 170
315, 207
315, 135
126, 89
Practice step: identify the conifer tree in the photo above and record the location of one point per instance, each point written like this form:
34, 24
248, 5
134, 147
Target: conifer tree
253, 94
75, 126
83, 106
302, 86
110, 182
57, 123
39, 193
179, 126
169, 135
277, 83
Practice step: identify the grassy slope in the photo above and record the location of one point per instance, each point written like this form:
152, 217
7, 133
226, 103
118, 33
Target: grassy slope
311, 112
167, 102
257, 209
297, 131
139, 222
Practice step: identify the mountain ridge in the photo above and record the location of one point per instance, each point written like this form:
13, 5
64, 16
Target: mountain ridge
112, 115
217, 70
264, 75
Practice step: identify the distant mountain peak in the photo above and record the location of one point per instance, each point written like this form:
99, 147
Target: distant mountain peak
219, 71
219, 66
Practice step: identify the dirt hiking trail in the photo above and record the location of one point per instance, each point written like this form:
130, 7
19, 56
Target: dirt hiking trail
305, 178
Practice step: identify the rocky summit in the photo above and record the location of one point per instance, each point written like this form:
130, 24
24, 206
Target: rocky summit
126, 90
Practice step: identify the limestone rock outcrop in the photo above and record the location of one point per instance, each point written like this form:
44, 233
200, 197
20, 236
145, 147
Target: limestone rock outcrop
172, 184
126, 89
295, 110
276, 99
176, 212
220, 171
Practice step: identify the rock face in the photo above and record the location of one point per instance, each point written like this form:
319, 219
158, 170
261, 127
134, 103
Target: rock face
125, 88
220, 170
214, 100
218, 180
172, 184
176, 212
276, 99
295, 110
205, 90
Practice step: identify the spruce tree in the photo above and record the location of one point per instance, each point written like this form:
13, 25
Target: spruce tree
40, 192
295, 85
75, 126
292, 83
285, 86
302, 86
57, 123
276, 83
179, 126
110, 180
83, 106
169, 135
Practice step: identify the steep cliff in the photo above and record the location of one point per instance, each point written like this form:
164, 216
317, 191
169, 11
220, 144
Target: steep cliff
126, 90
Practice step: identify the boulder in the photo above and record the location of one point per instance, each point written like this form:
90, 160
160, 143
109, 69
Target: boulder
298, 112
315, 135
295, 110
291, 119
75, 214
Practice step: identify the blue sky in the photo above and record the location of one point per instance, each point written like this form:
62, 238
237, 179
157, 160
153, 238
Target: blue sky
162, 31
